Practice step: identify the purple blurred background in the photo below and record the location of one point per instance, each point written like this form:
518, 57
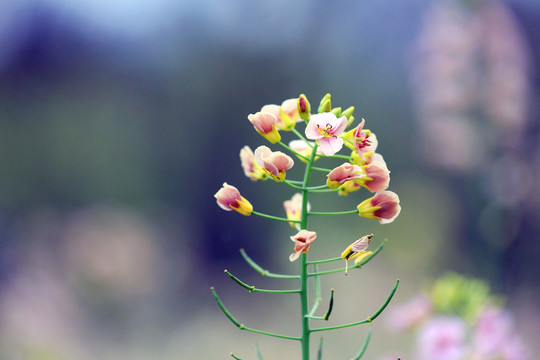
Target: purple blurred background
120, 120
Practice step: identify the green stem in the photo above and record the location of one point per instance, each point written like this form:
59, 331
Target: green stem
301, 136
274, 217
366, 342
335, 212
262, 271
369, 319
304, 306
324, 261
336, 156
325, 190
292, 185
317, 187
241, 326
320, 169
291, 150
317, 291
254, 289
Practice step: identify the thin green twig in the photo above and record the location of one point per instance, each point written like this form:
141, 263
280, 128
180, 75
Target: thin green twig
335, 212
369, 319
264, 272
366, 342
324, 261
274, 217
242, 326
254, 289
291, 150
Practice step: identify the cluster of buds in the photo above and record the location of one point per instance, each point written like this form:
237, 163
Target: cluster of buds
326, 133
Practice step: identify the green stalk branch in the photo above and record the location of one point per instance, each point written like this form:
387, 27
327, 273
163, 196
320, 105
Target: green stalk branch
324, 261
254, 289
321, 169
242, 327
301, 137
291, 150
258, 351
335, 212
319, 352
366, 342
292, 185
327, 190
274, 217
262, 271
317, 292
336, 156
369, 319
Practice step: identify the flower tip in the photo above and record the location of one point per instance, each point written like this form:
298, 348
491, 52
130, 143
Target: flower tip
304, 107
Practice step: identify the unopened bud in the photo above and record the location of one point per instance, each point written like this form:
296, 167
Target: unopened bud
304, 107
337, 112
325, 105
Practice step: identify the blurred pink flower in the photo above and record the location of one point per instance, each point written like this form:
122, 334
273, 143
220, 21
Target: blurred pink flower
442, 338
410, 314
251, 169
326, 128
302, 242
274, 163
286, 115
303, 148
494, 336
293, 207
384, 206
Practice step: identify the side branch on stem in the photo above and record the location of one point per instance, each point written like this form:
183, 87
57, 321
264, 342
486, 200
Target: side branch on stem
262, 271
241, 326
274, 217
254, 289
369, 319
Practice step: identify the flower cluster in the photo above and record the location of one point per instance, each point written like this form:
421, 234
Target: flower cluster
363, 168
458, 319
326, 133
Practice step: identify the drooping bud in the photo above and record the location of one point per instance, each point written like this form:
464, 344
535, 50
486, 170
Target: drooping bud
304, 107
325, 105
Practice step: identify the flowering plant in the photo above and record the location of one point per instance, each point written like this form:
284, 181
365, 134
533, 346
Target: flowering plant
324, 136
459, 319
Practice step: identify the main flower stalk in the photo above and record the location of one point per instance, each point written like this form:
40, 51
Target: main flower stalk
304, 304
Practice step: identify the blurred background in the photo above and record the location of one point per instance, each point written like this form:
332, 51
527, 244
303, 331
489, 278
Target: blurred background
119, 120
